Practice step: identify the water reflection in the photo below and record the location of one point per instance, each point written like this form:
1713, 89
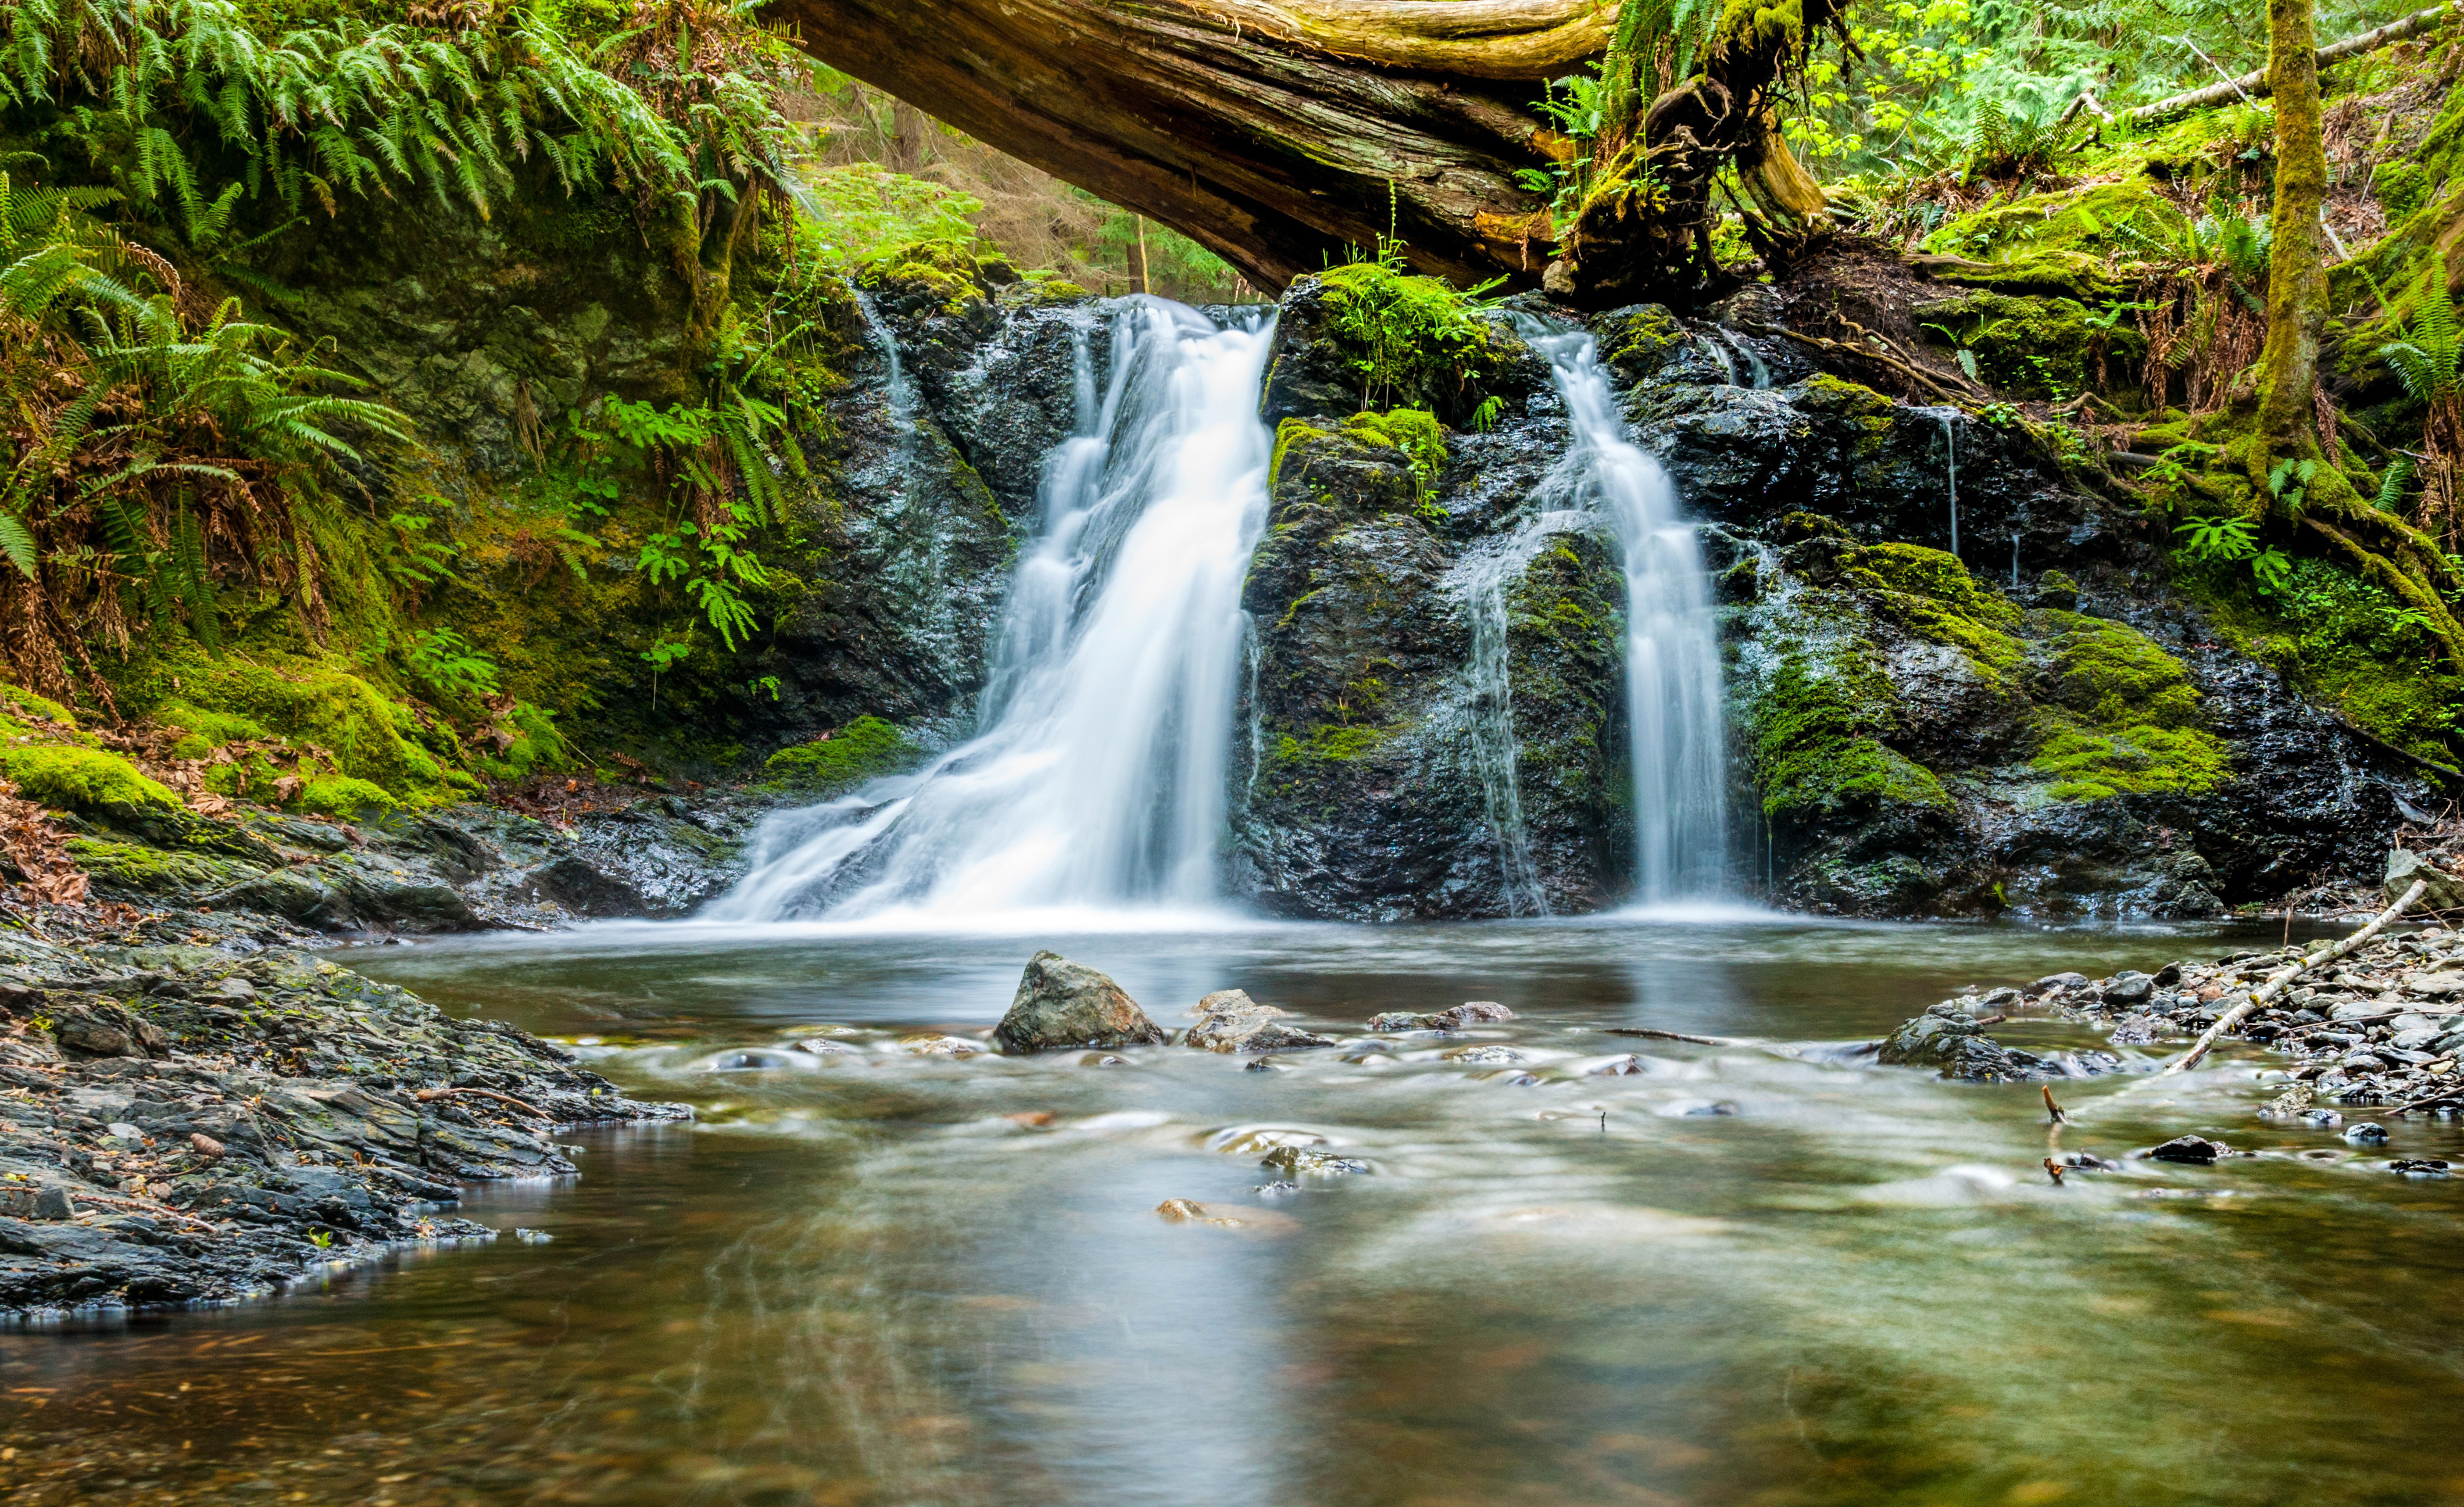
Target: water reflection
890, 1278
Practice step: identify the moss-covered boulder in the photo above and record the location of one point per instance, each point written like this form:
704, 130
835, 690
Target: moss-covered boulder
838, 762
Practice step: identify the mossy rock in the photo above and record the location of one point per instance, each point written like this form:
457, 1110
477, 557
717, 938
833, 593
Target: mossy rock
341, 796
1638, 342
70, 778
2087, 765
957, 276
132, 868
2114, 676
864, 749
1414, 431
41, 708
2036, 346
1817, 750
1931, 594
1406, 340
371, 736
2057, 243
1327, 744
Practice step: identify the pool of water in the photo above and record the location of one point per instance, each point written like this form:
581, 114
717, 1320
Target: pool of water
1748, 1273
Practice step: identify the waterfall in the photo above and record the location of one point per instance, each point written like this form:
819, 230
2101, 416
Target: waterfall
1672, 649
1481, 581
1098, 774
1755, 365
2015, 562
902, 393
1950, 463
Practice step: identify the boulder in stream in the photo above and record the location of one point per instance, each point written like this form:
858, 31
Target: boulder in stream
1229, 1020
1062, 1004
1948, 1038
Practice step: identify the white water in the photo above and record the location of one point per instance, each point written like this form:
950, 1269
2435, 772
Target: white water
1097, 777
1481, 580
1681, 807
1951, 471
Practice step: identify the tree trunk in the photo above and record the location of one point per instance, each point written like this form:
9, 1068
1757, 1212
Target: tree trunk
1279, 132
2297, 269
1138, 259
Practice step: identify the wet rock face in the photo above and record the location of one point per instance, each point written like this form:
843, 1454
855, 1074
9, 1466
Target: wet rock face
1431, 661
1064, 1005
937, 487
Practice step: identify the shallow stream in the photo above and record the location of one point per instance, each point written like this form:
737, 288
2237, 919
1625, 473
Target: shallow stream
1734, 1275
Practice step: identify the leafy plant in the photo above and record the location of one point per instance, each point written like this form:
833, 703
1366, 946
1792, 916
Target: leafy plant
444, 659
2428, 358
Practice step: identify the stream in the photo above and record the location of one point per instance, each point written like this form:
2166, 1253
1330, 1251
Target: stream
1768, 1275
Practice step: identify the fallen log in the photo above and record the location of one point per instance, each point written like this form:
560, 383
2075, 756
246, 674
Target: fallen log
2277, 982
2254, 85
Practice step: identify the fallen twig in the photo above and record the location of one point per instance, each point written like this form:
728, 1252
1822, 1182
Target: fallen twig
2053, 1111
2282, 976
1676, 1035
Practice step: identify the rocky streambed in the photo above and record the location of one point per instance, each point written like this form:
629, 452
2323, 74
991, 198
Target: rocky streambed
180, 1125
2367, 1035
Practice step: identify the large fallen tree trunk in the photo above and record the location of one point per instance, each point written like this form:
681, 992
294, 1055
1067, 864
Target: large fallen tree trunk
1279, 132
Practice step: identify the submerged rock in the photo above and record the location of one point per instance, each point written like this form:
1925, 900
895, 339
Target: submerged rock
2191, 1150
1061, 1004
1476, 1012
1948, 1038
1229, 1020
1299, 1159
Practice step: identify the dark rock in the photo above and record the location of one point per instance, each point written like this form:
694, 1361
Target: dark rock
2054, 982
2367, 1133
85, 1035
1305, 1159
54, 1202
1062, 1004
2128, 988
1950, 1038
2419, 1167
2190, 1149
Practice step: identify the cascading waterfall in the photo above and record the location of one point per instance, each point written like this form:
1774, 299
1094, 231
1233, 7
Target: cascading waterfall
1098, 774
1672, 649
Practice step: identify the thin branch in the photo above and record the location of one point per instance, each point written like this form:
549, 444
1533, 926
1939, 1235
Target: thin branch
2282, 976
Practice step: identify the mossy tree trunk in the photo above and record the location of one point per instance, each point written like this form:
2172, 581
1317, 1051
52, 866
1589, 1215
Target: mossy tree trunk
2297, 273
1278, 132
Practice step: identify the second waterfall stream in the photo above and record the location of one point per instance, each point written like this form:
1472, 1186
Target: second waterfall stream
1098, 777
1672, 677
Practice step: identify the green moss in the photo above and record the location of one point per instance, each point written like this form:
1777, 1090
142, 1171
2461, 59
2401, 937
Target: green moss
2057, 243
865, 749
538, 744
2038, 346
1815, 746
958, 275
2087, 765
79, 778
1328, 743
341, 796
1414, 431
41, 708
370, 735
2116, 676
204, 732
1408, 341
1931, 593
2402, 188
138, 869
2340, 641
1288, 433
1641, 340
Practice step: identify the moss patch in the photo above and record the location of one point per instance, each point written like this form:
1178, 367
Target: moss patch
1931, 594
2085, 765
865, 749
80, 778
1816, 752
2037, 346
1328, 743
341, 796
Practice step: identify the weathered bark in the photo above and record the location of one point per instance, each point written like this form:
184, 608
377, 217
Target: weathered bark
2258, 85
2296, 270
1273, 133
1279, 132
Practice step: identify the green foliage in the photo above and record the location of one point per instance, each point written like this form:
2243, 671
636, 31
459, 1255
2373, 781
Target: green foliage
861, 211
864, 749
1410, 342
191, 102
443, 659
1415, 432
2428, 341
341, 796
2008, 144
